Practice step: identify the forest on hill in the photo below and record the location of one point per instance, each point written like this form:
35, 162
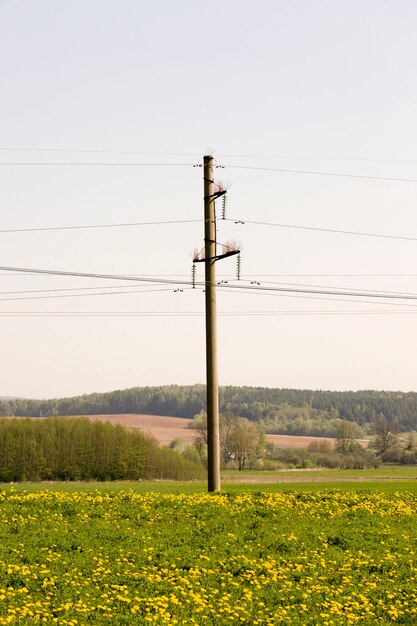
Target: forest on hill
283, 411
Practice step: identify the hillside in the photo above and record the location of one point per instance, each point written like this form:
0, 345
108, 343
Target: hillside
165, 429
280, 411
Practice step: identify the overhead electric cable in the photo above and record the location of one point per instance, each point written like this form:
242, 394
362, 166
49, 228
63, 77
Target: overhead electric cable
49, 272
260, 276
26, 291
133, 289
154, 314
329, 291
268, 294
89, 295
86, 226
138, 276
236, 221
245, 167
242, 291
89, 163
305, 275
315, 173
314, 158
255, 288
351, 289
79, 151
323, 230
239, 290
197, 154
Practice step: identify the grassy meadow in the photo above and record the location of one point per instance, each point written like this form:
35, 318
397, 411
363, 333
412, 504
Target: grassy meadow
168, 553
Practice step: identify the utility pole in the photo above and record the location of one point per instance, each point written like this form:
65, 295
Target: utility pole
209, 259
213, 439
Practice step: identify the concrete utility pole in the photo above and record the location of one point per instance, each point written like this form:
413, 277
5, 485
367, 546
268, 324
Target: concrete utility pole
213, 441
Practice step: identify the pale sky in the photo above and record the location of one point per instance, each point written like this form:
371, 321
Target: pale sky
315, 86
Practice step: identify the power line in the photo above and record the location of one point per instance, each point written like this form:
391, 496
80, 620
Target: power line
49, 272
137, 276
86, 226
323, 230
244, 291
26, 291
226, 288
329, 291
315, 173
89, 295
333, 275
78, 151
95, 164
244, 167
260, 276
254, 288
196, 313
351, 289
236, 221
316, 158
197, 154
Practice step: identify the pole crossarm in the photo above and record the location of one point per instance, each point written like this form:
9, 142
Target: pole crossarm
216, 194
217, 257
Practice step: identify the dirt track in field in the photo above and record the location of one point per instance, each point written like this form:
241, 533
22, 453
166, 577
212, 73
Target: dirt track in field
306, 476
165, 429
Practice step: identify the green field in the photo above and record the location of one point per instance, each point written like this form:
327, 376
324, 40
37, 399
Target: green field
168, 553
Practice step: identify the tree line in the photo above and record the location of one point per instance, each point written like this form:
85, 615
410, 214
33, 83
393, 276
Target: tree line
79, 449
243, 446
283, 411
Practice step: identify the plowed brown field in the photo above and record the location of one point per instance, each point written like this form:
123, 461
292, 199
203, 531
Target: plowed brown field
165, 429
